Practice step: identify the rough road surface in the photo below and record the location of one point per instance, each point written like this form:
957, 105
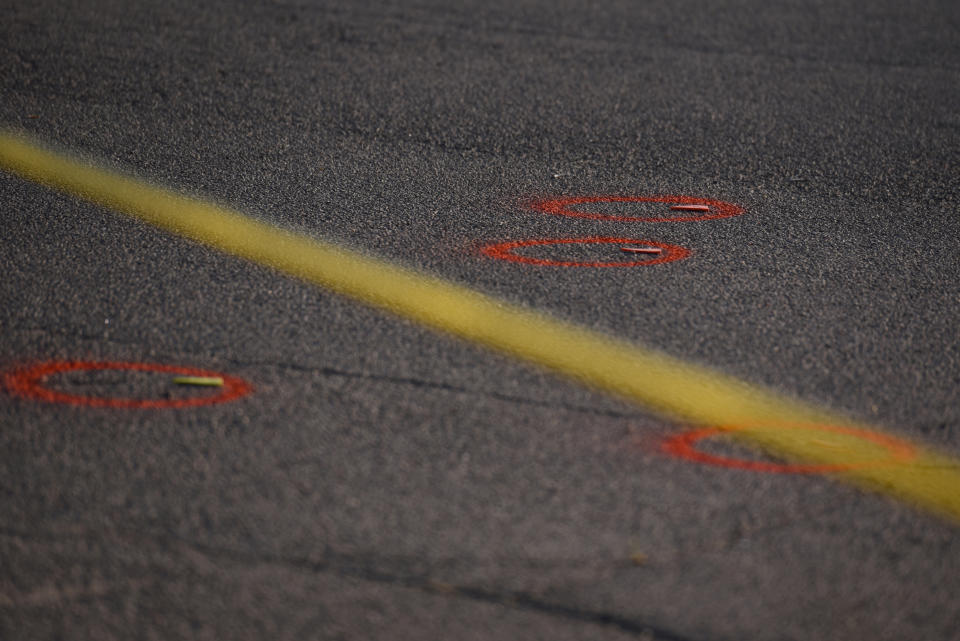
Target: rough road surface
386, 481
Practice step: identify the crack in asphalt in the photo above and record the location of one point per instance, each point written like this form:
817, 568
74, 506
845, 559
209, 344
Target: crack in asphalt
348, 566
363, 567
427, 384
335, 372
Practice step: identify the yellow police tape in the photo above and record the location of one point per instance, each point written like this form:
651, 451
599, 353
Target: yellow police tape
679, 390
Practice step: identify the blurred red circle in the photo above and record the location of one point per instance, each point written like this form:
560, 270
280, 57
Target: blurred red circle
505, 251
28, 382
683, 446
562, 207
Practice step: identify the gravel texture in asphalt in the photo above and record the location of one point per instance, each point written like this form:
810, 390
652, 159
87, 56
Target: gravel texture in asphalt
386, 481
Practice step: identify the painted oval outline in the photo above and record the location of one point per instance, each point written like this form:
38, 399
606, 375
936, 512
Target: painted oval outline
683, 446
27, 382
562, 207
505, 251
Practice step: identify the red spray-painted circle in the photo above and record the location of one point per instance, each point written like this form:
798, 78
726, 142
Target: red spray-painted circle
505, 251
28, 382
683, 446
562, 207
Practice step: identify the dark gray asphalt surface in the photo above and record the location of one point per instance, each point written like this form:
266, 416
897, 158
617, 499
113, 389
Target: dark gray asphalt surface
387, 482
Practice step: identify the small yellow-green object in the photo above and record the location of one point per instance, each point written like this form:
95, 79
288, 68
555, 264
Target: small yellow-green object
688, 393
207, 381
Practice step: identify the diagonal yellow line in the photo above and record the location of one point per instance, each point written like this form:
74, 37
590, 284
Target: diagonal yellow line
676, 389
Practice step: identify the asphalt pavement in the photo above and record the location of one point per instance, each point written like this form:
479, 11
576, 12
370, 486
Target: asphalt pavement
384, 480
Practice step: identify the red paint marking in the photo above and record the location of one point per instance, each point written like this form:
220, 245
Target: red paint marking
28, 383
562, 207
682, 446
505, 251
